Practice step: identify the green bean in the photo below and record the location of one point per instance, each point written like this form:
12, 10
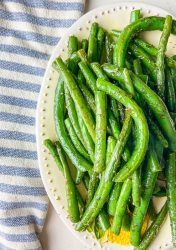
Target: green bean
101, 125
153, 159
110, 148
85, 45
89, 75
108, 48
82, 55
72, 63
73, 208
70, 105
137, 67
140, 211
152, 210
93, 46
76, 95
170, 92
152, 99
160, 62
115, 192
121, 206
88, 142
93, 183
86, 180
106, 183
141, 124
136, 187
171, 185
72, 45
115, 128
126, 222
78, 145
104, 220
53, 151
157, 132
135, 15
115, 109
79, 176
173, 72
86, 92
143, 24
153, 229
128, 85
145, 58
144, 78
100, 41
98, 71
77, 159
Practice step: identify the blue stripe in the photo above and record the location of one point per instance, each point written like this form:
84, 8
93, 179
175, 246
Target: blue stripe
19, 237
20, 119
23, 51
15, 84
19, 171
18, 153
19, 205
22, 190
50, 4
21, 221
24, 17
29, 36
16, 101
18, 136
22, 68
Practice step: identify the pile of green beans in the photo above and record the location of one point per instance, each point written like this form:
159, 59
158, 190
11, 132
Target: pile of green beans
114, 113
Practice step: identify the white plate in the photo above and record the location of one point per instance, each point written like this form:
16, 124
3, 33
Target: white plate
110, 16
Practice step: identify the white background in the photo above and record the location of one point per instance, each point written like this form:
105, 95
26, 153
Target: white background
56, 235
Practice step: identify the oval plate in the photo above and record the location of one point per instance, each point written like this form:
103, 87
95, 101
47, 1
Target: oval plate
114, 16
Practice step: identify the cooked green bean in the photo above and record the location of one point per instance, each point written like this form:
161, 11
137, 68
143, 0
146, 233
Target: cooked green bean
72, 63
136, 187
85, 45
78, 145
140, 211
93, 183
153, 159
86, 92
82, 55
126, 222
53, 151
137, 67
110, 148
88, 142
77, 159
155, 103
157, 132
98, 71
160, 61
100, 41
135, 15
89, 75
143, 24
101, 125
108, 48
106, 183
153, 229
128, 85
141, 124
152, 210
171, 185
72, 45
79, 176
70, 105
92, 44
121, 206
104, 220
78, 98
73, 208
170, 92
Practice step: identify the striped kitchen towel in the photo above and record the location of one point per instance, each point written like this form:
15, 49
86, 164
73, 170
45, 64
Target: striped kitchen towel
29, 30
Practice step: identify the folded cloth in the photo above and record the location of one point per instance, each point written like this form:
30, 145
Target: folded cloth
29, 30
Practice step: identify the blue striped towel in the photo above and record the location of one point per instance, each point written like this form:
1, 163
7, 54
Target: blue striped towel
29, 30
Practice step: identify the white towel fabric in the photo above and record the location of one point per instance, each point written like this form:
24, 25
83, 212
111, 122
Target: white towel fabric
29, 30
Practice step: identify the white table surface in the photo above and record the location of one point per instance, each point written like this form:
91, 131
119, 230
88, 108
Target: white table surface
55, 235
